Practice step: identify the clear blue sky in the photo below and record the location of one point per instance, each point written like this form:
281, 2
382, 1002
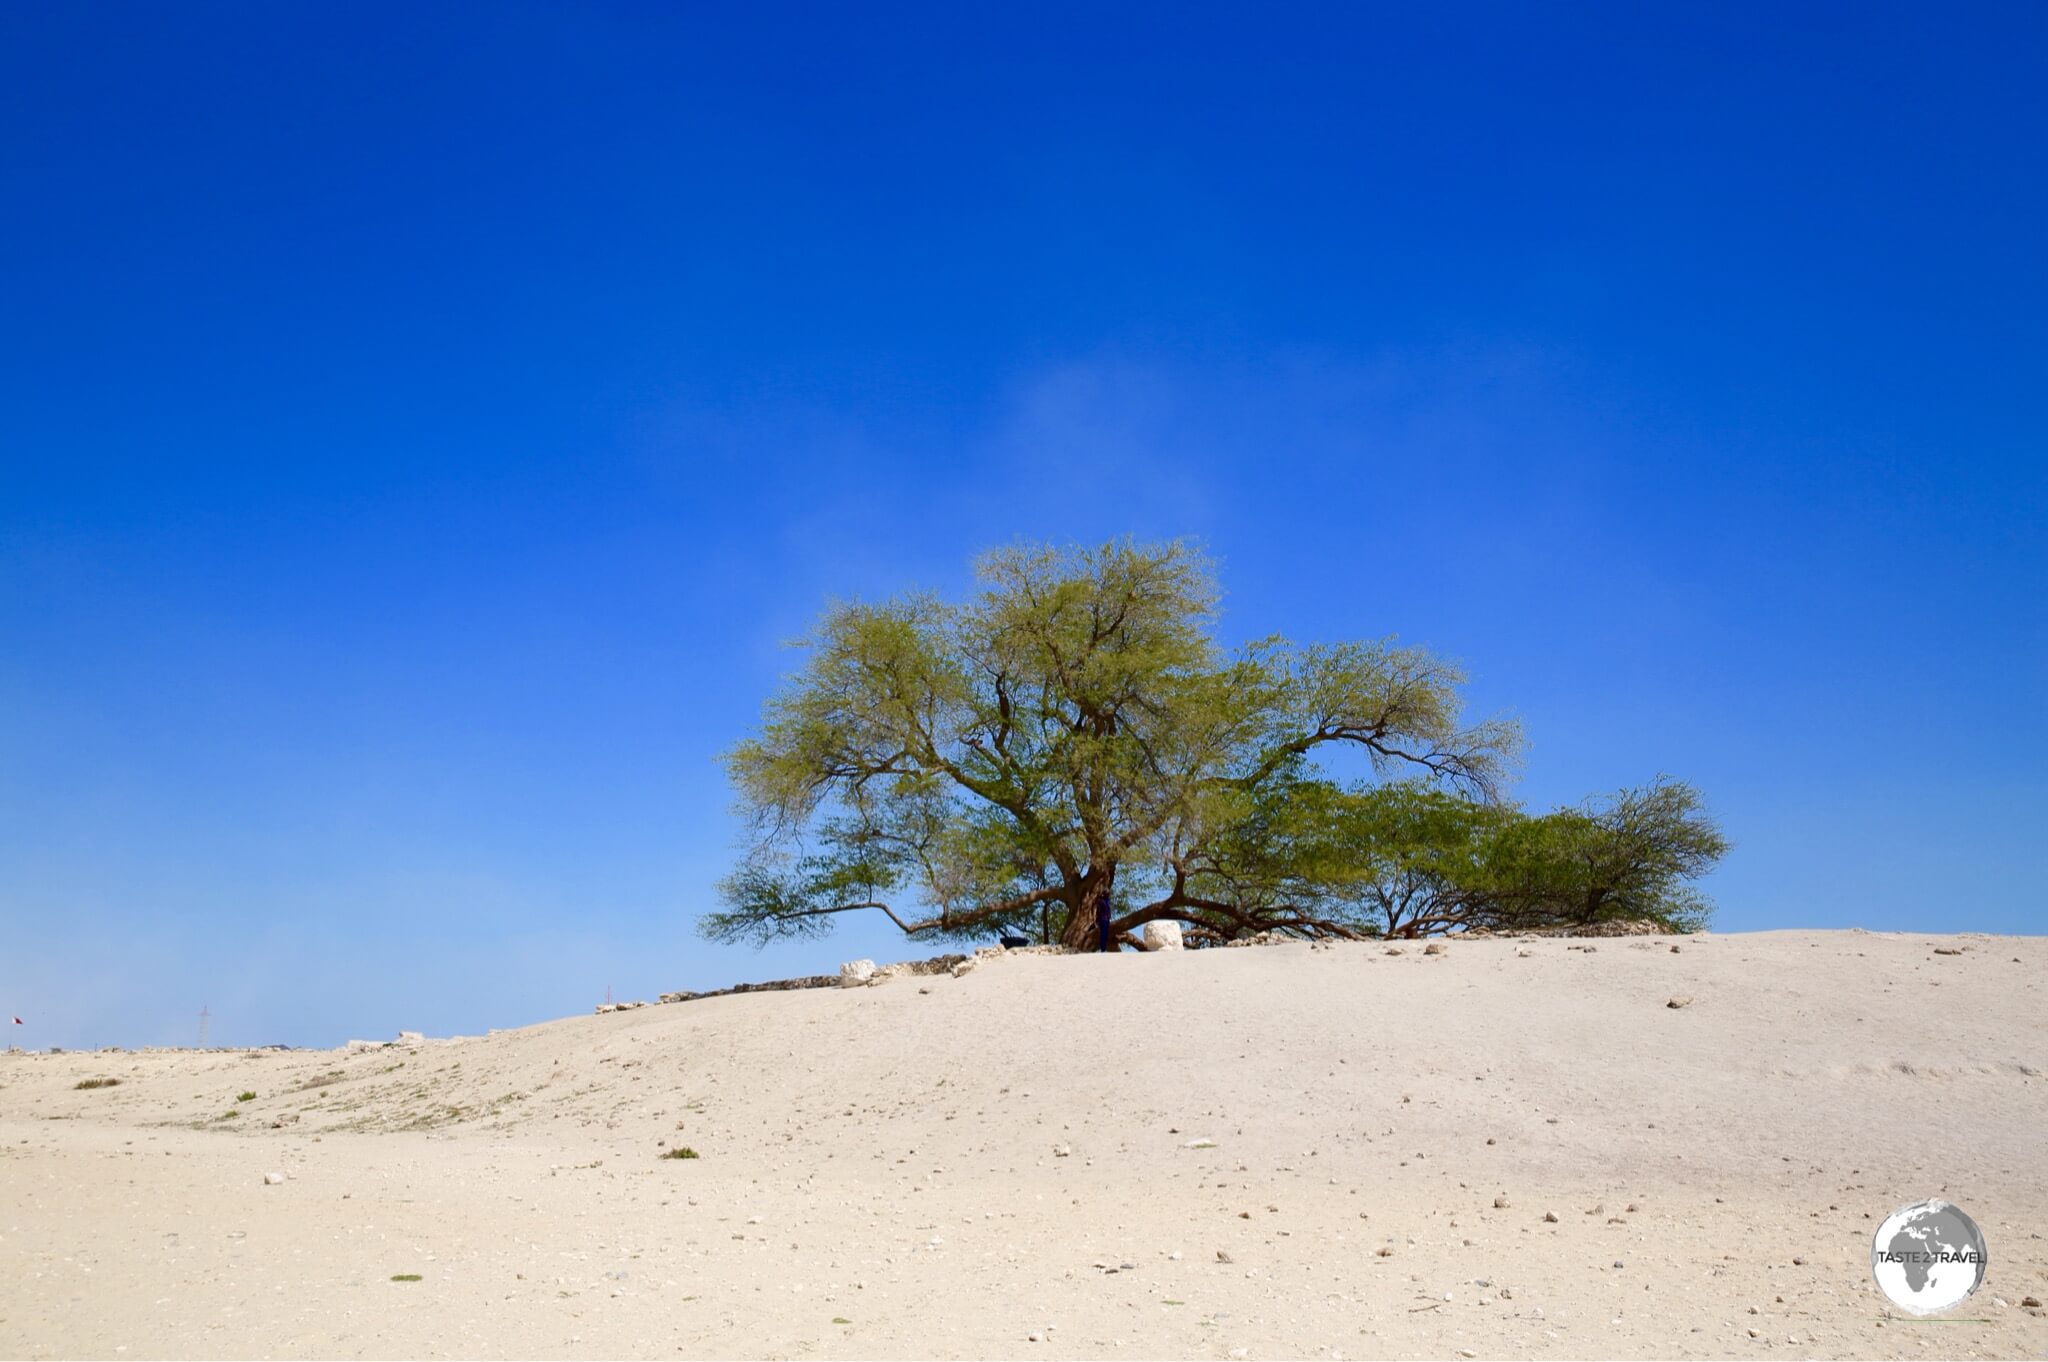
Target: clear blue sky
420, 426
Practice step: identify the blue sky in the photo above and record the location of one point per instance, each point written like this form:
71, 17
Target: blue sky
422, 427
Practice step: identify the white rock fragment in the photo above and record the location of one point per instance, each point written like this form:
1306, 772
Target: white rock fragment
966, 967
273, 1179
856, 973
1162, 936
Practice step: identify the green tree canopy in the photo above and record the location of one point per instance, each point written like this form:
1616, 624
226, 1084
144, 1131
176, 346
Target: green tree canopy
1070, 754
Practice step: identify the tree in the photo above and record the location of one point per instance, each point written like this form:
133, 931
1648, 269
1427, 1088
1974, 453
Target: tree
1070, 753
1627, 860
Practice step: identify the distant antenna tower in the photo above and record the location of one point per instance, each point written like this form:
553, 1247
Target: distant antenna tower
205, 1018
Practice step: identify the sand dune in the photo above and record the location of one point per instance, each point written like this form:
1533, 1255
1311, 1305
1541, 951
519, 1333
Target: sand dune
1265, 1152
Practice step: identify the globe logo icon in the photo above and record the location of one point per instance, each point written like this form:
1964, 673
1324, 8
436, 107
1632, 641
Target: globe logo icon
1928, 1257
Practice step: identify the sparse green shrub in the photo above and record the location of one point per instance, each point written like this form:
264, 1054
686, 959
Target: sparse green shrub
246, 1097
84, 1083
681, 1151
405, 1276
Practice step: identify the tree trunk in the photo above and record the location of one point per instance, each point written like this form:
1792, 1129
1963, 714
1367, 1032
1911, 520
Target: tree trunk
1091, 910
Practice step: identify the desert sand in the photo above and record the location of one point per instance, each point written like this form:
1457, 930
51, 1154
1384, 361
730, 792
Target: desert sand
1279, 1151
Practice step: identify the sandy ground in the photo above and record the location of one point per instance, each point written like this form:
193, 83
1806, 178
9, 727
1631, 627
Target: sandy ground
1267, 1152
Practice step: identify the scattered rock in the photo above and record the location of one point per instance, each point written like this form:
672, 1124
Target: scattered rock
1500, 1203
2030, 1302
1674, 950
1223, 1257
1061, 1151
1523, 952
769, 986
965, 968
1683, 1000
856, 973
1163, 936
1550, 1217
1434, 948
273, 1179
1948, 950
1395, 950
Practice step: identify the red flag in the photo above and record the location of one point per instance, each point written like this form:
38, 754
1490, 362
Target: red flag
17, 1021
